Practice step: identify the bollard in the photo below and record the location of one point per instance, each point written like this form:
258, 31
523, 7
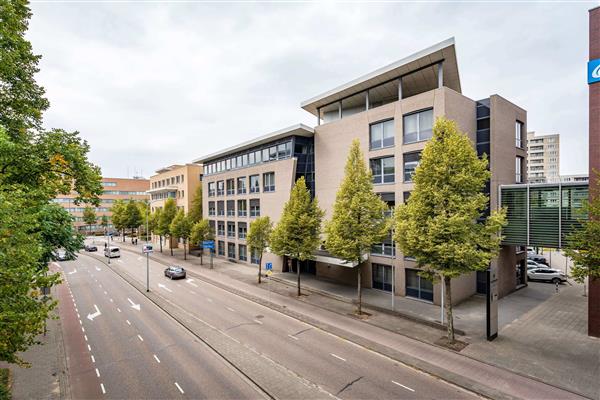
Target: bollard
556, 287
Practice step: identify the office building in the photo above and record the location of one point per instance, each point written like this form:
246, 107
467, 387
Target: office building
114, 189
574, 178
543, 158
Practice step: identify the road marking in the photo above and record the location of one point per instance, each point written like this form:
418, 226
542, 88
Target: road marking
94, 315
89, 348
111, 300
190, 282
209, 299
97, 373
192, 292
295, 338
405, 387
230, 309
120, 261
179, 387
258, 322
80, 323
338, 357
133, 305
156, 358
160, 285
97, 269
105, 292
178, 285
118, 309
139, 258
102, 387
82, 329
73, 272
93, 359
129, 323
85, 337
141, 339
78, 316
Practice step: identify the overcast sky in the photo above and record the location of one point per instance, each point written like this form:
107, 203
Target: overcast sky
153, 84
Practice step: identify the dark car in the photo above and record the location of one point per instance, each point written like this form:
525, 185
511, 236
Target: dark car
538, 258
175, 272
90, 247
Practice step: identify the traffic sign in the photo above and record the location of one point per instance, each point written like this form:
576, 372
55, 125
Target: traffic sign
147, 248
208, 244
269, 272
269, 266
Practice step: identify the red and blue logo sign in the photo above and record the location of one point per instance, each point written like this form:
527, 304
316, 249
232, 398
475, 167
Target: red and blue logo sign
594, 71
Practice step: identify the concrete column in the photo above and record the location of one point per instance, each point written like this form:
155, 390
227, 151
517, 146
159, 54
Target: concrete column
440, 67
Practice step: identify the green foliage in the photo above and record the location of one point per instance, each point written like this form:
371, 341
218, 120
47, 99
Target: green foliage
104, 221
133, 216
439, 223
201, 231
55, 231
167, 215
181, 228
258, 238
119, 215
583, 245
4, 382
195, 212
358, 220
89, 216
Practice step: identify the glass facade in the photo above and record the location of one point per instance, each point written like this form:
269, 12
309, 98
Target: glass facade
418, 126
381, 134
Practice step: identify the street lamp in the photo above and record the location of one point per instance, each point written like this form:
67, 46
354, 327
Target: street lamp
147, 252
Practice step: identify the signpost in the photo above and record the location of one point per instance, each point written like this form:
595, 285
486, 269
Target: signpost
147, 249
210, 245
269, 268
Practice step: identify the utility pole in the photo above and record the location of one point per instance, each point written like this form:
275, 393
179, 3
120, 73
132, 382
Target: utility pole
147, 253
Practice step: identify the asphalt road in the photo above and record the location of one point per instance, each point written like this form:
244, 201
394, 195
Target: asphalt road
120, 345
337, 366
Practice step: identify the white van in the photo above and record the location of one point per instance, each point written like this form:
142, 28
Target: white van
112, 252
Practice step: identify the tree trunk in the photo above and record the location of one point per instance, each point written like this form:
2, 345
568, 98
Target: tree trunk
184, 253
298, 273
201, 254
160, 240
359, 291
448, 309
171, 245
259, 266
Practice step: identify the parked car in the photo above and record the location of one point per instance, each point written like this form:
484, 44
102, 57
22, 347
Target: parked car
61, 255
532, 265
112, 252
90, 247
175, 272
546, 274
538, 258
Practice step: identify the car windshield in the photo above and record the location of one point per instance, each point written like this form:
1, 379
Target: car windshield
176, 269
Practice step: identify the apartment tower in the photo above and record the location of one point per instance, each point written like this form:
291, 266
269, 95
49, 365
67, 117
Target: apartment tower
543, 158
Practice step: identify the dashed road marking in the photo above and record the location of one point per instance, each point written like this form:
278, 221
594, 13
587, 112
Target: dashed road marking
258, 322
192, 292
78, 316
93, 359
401, 385
102, 387
111, 300
82, 329
128, 323
118, 309
209, 299
97, 373
295, 338
105, 292
179, 387
338, 357
89, 348
80, 323
139, 337
156, 358
85, 337
230, 309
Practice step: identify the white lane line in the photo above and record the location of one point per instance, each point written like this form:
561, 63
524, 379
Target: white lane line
209, 299
93, 359
192, 292
78, 316
128, 323
179, 387
156, 358
120, 261
405, 387
111, 300
230, 309
258, 322
89, 348
160, 285
97, 373
85, 337
105, 292
118, 309
336, 356
102, 387
141, 338
82, 329
293, 337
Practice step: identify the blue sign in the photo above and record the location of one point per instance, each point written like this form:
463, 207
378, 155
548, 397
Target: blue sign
208, 244
269, 266
594, 71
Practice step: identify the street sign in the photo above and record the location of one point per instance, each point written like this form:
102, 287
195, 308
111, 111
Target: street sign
208, 244
269, 266
269, 272
147, 249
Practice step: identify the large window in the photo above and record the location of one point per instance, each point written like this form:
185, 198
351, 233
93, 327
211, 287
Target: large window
519, 134
231, 229
242, 230
241, 185
221, 248
231, 208
411, 161
211, 208
519, 169
242, 252
383, 170
254, 256
220, 188
269, 182
211, 189
418, 287
242, 208
382, 134
220, 228
382, 277
230, 187
254, 184
254, 207
418, 126
231, 250
385, 248
220, 208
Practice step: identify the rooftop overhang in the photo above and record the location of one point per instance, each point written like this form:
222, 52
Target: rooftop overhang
294, 130
169, 168
164, 189
423, 64
325, 257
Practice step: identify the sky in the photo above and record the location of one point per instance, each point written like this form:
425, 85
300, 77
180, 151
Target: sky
150, 84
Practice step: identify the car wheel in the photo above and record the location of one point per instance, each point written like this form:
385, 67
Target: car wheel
555, 280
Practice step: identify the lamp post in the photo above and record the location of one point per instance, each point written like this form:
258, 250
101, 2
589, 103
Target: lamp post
147, 252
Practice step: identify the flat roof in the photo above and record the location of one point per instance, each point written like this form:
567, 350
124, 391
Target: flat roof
443, 51
294, 130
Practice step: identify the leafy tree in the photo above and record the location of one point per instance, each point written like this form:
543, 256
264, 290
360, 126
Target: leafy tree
133, 216
181, 228
439, 223
89, 217
258, 238
358, 220
144, 208
296, 235
195, 213
104, 222
583, 243
119, 216
167, 214
155, 223
201, 231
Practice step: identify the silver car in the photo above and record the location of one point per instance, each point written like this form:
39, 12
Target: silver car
175, 272
546, 274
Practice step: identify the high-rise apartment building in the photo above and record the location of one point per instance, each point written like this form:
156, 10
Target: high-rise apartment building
114, 189
543, 158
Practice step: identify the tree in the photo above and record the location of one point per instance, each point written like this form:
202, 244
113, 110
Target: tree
181, 228
358, 220
296, 235
195, 213
119, 216
442, 225
133, 216
583, 243
155, 222
166, 217
104, 222
144, 208
201, 231
89, 217
258, 238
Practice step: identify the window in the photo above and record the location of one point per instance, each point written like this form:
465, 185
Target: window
231, 250
242, 252
519, 169
242, 230
272, 153
254, 257
231, 230
251, 158
383, 170
221, 248
220, 188
211, 208
220, 208
181, 178
254, 207
109, 184
269, 182
265, 155
242, 208
418, 126
230, 187
177, 179
382, 134
241, 185
231, 208
417, 286
405, 196
382, 277
254, 184
220, 228
411, 161
258, 156
519, 134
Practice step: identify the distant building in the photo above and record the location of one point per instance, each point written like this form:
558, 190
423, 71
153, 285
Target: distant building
114, 189
543, 158
574, 178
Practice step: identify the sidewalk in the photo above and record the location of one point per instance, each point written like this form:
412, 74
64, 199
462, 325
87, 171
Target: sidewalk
413, 346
